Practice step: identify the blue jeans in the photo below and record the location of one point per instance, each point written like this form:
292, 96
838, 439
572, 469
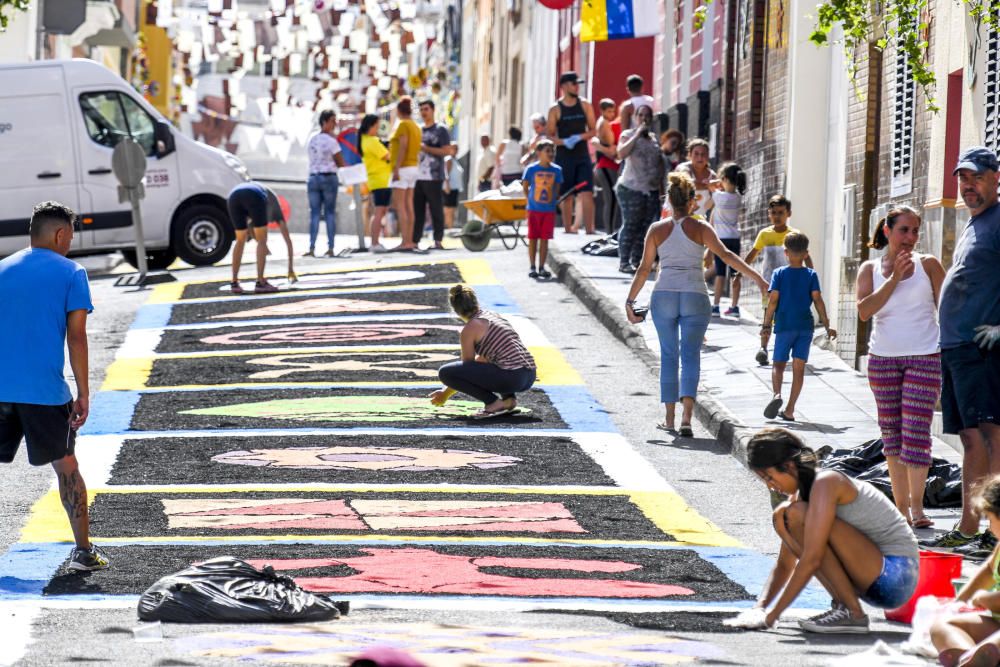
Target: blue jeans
686, 314
322, 190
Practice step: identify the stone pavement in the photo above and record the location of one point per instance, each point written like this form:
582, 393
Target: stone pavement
836, 407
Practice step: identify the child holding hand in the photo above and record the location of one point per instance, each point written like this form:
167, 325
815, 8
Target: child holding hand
973, 639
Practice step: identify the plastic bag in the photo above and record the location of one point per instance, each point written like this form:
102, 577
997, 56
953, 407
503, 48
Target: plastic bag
228, 590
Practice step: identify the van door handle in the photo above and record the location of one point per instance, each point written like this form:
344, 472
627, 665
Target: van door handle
49, 174
99, 171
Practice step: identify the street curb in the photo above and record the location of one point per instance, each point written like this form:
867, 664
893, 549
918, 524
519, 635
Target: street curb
716, 417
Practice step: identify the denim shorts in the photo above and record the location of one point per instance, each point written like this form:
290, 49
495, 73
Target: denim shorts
796, 342
896, 583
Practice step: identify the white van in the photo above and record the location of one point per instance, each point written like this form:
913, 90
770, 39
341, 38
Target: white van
59, 123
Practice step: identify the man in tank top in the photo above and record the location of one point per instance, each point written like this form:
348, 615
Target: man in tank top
571, 125
636, 99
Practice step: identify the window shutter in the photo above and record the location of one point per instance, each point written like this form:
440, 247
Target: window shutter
902, 125
991, 138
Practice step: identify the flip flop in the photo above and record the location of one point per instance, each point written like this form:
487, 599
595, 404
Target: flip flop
483, 414
923, 522
236, 288
662, 426
771, 411
785, 417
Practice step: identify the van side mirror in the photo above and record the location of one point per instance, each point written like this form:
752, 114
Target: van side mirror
163, 136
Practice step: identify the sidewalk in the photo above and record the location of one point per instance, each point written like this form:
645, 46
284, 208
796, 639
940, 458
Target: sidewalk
836, 407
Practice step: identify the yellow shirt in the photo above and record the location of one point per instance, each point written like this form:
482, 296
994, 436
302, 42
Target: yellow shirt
414, 139
373, 153
771, 246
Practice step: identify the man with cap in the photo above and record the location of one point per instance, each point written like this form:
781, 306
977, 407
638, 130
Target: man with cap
970, 352
256, 204
571, 125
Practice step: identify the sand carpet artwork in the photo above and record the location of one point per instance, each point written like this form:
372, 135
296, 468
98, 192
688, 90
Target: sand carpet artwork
411, 332
448, 645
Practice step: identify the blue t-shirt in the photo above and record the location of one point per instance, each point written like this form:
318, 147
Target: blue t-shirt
542, 190
970, 295
38, 288
795, 287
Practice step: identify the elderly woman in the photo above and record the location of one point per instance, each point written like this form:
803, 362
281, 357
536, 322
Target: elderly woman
494, 359
639, 186
898, 292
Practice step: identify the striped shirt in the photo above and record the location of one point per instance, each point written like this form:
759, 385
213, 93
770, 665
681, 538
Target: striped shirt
501, 345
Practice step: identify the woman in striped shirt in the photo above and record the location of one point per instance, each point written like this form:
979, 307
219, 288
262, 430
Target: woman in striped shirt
494, 359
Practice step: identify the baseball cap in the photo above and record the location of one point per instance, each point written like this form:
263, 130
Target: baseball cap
570, 77
977, 159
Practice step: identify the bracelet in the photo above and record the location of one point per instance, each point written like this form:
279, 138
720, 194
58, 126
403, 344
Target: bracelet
629, 302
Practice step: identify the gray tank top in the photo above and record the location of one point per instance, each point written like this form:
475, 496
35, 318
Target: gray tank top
680, 264
875, 516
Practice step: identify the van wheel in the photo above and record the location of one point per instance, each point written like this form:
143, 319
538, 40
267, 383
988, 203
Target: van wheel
156, 260
201, 235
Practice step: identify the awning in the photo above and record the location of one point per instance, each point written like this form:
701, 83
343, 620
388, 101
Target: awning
121, 35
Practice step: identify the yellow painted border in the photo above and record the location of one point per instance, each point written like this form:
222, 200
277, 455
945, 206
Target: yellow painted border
132, 373
476, 272
667, 510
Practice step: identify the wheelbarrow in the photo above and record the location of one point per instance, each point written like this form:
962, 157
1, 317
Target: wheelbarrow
496, 213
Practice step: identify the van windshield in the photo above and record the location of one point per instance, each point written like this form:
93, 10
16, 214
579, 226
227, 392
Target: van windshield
111, 116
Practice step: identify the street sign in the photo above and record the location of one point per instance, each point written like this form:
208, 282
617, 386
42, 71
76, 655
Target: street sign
128, 161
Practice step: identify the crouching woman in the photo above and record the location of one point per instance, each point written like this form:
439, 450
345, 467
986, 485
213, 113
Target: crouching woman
842, 531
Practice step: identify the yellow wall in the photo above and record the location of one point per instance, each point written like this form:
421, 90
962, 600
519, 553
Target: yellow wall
160, 59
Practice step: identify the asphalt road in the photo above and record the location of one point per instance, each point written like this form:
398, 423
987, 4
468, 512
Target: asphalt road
598, 386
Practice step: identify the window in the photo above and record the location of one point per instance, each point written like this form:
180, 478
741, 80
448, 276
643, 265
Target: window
902, 126
991, 138
111, 116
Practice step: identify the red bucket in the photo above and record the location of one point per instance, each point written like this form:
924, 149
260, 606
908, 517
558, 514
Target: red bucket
937, 569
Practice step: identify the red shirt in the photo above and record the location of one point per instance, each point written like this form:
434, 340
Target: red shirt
603, 161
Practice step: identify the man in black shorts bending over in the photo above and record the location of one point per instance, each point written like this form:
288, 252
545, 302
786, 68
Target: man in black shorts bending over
255, 203
46, 299
571, 126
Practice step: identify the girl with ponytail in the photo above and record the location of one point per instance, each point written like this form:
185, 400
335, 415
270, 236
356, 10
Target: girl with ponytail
728, 203
842, 531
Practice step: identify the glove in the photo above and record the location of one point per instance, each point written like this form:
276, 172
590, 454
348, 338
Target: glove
987, 335
751, 619
570, 142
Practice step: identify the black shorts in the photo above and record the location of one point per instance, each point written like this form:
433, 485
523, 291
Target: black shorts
45, 429
451, 199
248, 203
970, 388
382, 196
721, 268
577, 170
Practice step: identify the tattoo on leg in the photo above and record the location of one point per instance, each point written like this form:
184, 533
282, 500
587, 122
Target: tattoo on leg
73, 493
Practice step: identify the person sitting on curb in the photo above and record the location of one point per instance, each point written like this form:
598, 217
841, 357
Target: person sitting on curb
842, 531
974, 638
494, 359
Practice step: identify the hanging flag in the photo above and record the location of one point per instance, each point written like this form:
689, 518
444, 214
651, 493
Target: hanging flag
601, 20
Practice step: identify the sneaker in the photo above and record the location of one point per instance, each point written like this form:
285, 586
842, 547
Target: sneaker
626, 268
761, 357
837, 621
979, 548
378, 248
83, 560
952, 539
733, 311
716, 312
819, 617
264, 288
532, 273
330, 253
542, 273
309, 253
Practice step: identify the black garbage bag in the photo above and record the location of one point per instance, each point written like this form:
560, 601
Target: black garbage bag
606, 246
228, 590
866, 462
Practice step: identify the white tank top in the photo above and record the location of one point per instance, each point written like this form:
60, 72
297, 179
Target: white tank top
680, 264
511, 160
642, 101
907, 325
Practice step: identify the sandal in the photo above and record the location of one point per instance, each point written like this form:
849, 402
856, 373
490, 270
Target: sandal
236, 288
782, 415
771, 410
664, 426
264, 288
485, 414
922, 521
685, 431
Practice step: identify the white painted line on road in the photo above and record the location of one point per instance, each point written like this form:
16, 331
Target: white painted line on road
17, 619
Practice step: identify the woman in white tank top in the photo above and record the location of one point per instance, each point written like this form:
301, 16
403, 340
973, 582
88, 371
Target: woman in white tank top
898, 293
680, 306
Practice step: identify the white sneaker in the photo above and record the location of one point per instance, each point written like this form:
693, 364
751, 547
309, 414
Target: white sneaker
378, 248
837, 621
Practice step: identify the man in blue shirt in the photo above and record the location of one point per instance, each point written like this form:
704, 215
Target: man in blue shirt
969, 313
46, 299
